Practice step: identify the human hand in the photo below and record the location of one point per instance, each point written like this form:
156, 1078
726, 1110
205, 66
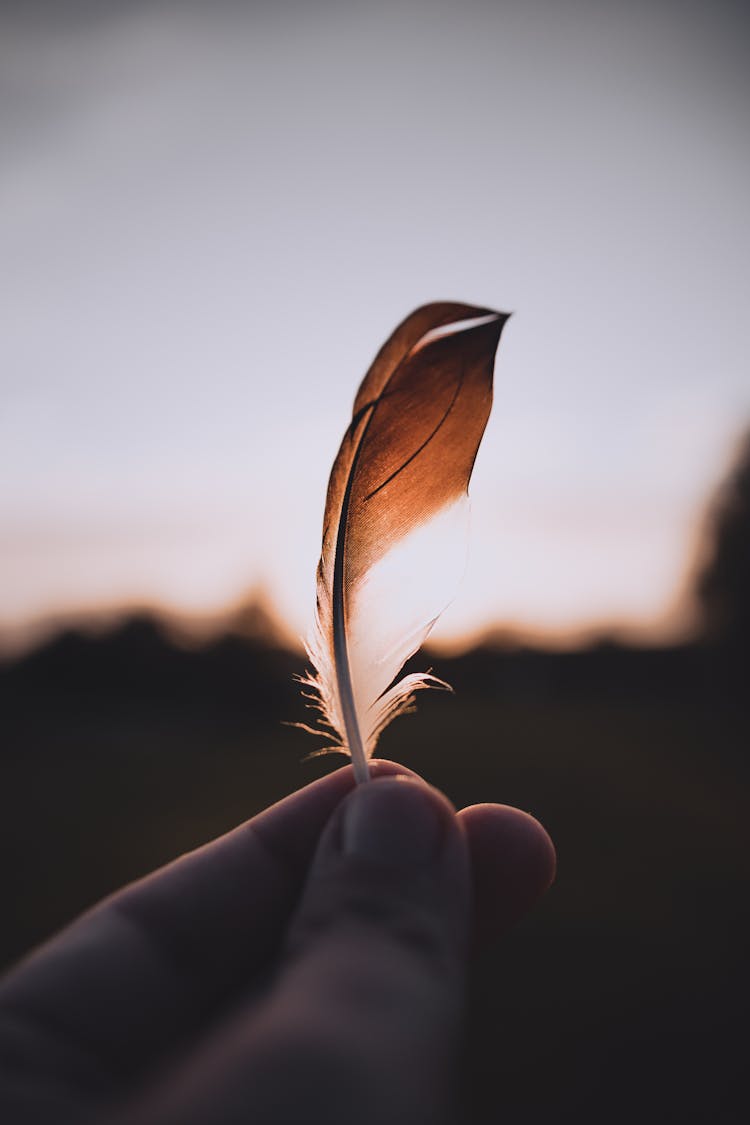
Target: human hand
309, 965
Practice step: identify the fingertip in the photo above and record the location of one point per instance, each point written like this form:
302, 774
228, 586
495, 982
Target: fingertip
397, 819
513, 863
522, 836
292, 826
384, 767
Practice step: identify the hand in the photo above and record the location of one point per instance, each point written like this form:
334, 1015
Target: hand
308, 966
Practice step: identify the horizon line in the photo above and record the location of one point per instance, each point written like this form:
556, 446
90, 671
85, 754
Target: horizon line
679, 624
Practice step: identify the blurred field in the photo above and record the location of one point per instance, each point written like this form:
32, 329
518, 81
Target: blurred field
620, 1000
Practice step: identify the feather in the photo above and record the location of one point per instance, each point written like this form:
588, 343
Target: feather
395, 524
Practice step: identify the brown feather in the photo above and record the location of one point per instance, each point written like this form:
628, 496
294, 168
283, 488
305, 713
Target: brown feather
418, 419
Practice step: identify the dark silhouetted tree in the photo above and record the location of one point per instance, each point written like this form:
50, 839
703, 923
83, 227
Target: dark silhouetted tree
723, 586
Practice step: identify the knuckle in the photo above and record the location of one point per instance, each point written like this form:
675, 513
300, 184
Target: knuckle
361, 912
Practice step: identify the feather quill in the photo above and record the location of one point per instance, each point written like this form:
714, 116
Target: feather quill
394, 529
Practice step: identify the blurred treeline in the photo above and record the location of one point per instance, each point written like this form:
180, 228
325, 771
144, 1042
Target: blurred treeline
622, 999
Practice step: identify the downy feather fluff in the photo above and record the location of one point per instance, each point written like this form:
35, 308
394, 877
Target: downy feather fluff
394, 530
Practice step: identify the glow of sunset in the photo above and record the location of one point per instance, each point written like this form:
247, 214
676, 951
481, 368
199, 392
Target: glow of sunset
211, 217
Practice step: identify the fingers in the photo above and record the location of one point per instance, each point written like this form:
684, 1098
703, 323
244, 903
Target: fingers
363, 1022
513, 864
219, 911
138, 973
144, 971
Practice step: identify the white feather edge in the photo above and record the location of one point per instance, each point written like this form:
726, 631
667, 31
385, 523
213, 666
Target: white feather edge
390, 615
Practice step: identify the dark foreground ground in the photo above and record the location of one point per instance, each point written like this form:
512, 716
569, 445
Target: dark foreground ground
621, 1000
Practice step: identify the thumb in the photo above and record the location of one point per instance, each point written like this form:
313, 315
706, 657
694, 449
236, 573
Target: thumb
370, 997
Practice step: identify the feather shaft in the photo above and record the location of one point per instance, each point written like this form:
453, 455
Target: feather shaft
340, 647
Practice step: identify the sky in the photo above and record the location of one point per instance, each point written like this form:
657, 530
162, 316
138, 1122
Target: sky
212, 215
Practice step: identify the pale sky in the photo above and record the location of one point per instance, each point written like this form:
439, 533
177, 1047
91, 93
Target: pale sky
211, 215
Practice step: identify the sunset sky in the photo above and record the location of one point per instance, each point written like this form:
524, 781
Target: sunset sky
212, 214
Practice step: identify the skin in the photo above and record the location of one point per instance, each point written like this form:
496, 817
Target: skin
310, 965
